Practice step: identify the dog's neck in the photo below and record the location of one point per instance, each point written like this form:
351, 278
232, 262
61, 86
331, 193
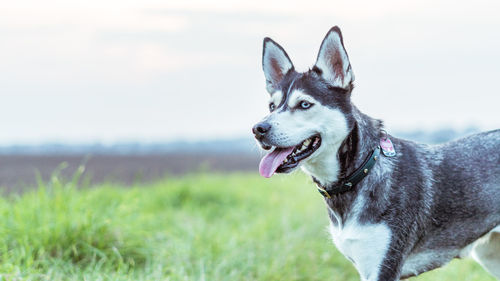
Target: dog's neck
363, 137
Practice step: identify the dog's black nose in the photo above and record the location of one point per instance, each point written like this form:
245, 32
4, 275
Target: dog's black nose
260, 129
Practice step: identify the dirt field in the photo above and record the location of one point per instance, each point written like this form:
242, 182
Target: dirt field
18, 172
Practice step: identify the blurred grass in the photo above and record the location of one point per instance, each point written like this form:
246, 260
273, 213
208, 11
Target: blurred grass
197, 227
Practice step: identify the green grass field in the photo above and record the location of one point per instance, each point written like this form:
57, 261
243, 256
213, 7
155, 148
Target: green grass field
197, 227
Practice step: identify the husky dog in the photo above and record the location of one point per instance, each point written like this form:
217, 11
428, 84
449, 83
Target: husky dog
397, 208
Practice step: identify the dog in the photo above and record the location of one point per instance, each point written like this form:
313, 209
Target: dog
397, 208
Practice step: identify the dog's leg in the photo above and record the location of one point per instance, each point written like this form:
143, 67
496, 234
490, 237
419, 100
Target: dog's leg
375, 252
391, 267
487, 252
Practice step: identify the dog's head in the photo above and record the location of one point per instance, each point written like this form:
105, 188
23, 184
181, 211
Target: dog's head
309, 112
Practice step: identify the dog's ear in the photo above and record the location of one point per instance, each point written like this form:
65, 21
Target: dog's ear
275, 63
332, 62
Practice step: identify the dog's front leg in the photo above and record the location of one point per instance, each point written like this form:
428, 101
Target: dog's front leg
380, 258
390, 268
373, 248
389, 271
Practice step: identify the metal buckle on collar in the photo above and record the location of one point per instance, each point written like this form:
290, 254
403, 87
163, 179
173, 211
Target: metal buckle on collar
324, 192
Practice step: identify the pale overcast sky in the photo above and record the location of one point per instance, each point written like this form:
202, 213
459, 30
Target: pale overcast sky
107, 71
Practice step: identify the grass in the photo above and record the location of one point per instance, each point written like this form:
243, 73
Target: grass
198, 227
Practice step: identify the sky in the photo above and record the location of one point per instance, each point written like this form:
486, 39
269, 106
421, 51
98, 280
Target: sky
115, 71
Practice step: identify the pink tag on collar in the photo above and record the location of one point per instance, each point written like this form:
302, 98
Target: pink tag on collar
387, 147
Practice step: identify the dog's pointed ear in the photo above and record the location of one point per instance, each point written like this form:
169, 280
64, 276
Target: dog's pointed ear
275, 63
333, 62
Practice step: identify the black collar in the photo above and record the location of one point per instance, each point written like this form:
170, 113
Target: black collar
345, 184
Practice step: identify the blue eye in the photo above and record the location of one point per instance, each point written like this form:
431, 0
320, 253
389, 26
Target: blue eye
305, 104
272, 107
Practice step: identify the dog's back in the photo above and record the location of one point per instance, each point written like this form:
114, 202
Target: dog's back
470, 170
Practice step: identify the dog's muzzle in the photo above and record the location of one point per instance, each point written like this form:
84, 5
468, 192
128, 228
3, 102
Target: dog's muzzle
260, 131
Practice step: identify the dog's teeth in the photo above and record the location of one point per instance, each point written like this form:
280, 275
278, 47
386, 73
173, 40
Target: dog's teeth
306, 142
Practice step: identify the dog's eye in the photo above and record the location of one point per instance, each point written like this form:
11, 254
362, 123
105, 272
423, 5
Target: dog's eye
305, 104
272, 107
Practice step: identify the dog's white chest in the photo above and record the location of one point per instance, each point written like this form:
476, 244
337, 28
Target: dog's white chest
364, 244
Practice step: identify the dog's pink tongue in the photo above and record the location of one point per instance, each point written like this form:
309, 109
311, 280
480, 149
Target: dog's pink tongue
272, 160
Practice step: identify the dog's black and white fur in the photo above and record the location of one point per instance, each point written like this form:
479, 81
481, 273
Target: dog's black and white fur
413, 212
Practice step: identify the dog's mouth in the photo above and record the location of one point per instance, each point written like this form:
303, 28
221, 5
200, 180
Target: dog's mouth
285, 159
